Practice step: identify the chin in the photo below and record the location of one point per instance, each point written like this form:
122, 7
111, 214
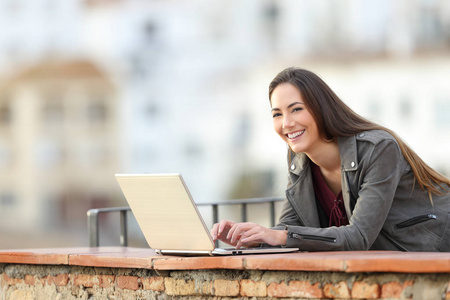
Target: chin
296, 149
299, 147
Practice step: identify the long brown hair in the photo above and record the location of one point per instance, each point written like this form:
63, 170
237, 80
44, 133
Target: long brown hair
334, 119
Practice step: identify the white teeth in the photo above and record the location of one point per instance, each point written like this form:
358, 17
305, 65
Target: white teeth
295, 134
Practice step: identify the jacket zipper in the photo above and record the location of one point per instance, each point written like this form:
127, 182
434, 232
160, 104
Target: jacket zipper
415, 220
312, 237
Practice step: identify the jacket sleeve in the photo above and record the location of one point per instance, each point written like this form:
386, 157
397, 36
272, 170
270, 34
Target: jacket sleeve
287, 217
380, 174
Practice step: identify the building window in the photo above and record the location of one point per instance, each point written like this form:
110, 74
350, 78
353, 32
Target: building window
151, 111
5, 155
55, 204
5, 114
193, 150
7, 199
271, 13
53, 112
149, 30
97, 112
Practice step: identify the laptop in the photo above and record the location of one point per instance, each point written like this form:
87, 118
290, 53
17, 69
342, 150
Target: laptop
169, 218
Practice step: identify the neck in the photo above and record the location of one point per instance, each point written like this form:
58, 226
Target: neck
326, 156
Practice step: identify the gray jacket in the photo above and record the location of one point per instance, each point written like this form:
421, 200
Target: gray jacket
386, 209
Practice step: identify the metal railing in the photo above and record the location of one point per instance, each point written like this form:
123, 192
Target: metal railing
93, 216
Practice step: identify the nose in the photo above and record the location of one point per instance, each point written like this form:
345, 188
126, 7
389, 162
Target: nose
287, 122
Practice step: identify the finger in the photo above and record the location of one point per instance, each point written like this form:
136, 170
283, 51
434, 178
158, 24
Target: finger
241, 243
239, 229
250, 236
234, 233
214, 230
253, 236
231, 231
250, 232
224, 224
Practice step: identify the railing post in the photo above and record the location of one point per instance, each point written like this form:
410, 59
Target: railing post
215, 212
215, 215
123, 228
244, 212
93, 224
93, 227
272, 213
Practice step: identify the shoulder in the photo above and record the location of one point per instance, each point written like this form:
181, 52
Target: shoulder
377, 141
375, 137
367, 146
366, 140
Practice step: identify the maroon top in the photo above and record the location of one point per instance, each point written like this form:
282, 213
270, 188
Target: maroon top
332, 204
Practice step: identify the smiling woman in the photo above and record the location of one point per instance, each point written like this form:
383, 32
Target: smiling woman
352, 184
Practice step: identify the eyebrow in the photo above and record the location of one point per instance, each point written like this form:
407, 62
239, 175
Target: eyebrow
289, 106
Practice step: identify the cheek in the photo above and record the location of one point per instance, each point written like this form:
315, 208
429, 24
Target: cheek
277, 127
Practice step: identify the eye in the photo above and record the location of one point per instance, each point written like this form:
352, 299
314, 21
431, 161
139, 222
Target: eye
276, 115
297, 109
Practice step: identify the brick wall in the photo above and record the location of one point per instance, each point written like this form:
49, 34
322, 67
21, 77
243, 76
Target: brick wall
21, 281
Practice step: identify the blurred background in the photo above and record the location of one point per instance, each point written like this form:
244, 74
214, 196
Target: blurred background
97, 87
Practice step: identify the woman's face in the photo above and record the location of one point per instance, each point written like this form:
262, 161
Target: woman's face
292, 121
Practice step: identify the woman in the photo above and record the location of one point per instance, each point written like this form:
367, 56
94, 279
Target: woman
353, 185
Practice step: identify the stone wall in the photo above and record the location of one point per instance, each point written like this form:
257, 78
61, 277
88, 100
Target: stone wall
27, 282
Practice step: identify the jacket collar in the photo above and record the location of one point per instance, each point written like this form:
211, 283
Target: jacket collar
298, 163
348, 152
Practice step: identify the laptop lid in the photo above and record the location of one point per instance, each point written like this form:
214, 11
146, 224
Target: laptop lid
165, 212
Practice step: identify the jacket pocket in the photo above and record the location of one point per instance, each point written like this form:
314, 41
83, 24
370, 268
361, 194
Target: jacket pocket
415, 220
311, 237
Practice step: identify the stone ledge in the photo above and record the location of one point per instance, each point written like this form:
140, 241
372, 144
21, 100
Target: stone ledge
28, 281
143, 258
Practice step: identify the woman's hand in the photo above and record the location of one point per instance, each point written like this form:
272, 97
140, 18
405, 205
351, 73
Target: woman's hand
247, 234
220, 231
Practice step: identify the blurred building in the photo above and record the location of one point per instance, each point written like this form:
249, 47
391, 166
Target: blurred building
58, 145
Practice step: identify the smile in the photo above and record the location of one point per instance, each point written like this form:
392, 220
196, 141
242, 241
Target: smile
296, 134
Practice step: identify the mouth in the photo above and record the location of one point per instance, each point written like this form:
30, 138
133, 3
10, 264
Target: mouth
296, 134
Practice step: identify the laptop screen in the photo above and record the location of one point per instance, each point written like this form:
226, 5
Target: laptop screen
165, 211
